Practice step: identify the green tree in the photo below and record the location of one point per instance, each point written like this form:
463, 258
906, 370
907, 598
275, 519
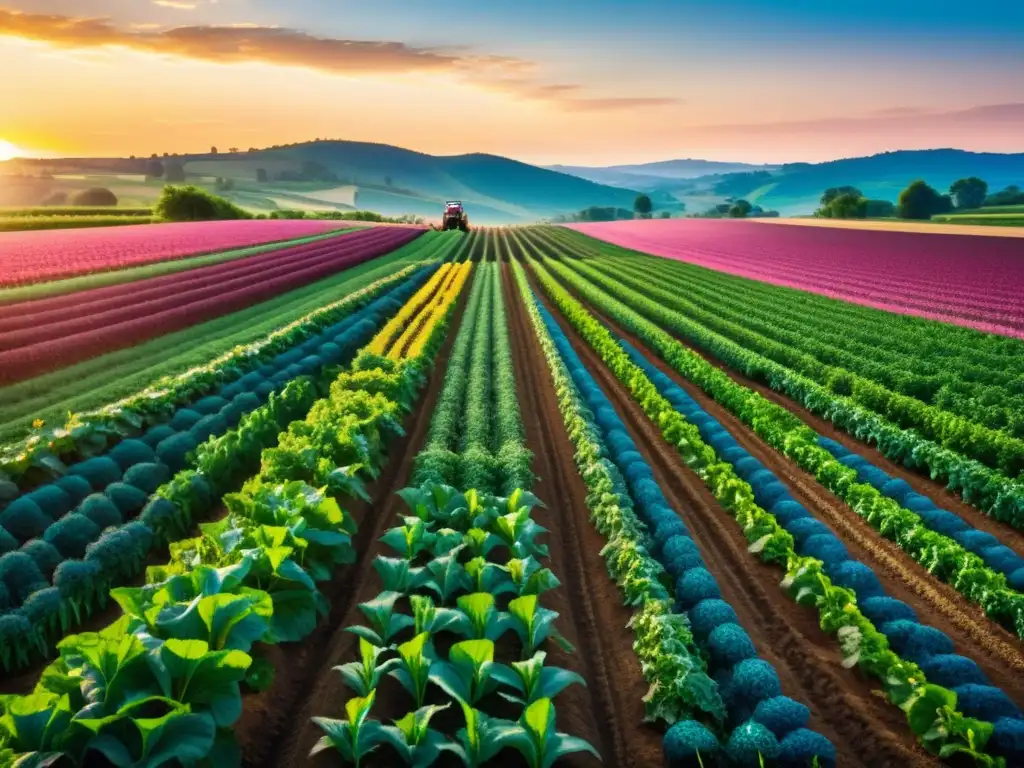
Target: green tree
880, 209
920, 201
832, 193
848, 206
969, 192
665, 215
190, 203
643, 206
154, 169
740, 209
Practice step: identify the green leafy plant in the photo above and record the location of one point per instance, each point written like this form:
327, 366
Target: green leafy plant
385, 623
481, 619
412, 737
535, 681
413, 671
363, 676
471, 672
534, 624
538, 741
355, 737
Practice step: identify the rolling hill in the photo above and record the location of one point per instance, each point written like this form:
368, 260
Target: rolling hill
345, 175
795, 188
653, 176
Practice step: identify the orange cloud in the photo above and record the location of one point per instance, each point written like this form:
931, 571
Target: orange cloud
177, 4
226, 44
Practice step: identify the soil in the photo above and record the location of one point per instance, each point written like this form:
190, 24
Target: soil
276, 728
864, 728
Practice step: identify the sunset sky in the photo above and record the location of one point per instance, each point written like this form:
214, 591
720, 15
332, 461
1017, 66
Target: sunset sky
590, 82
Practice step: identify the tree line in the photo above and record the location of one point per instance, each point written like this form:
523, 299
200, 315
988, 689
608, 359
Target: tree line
918, 201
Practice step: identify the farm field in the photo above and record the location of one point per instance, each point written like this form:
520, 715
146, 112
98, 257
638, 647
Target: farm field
518, 497
972, 281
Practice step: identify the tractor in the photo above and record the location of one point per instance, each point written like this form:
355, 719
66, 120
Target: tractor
454, 216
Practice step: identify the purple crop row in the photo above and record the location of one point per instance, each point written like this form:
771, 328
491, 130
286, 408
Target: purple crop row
154, 318
87, 310
32, 257
969, 280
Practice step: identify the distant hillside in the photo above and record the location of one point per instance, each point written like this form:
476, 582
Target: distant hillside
795, 188
651, 176
344, 175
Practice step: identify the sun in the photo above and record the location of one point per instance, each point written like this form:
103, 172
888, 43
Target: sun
8, 151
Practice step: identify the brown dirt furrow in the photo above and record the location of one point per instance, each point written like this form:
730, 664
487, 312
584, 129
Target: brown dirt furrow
276, 727
865, 729
611, 715
999, 653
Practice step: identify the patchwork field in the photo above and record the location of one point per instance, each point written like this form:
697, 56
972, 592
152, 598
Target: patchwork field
520, 497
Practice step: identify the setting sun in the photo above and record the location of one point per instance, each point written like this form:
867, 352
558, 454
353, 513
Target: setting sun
8, 151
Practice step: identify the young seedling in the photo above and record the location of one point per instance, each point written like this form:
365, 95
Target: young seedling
398, 575
409, 539
489, 577
483, 737
414, 739
529, 578
538, 741
354, 738
535, 681
447, 576
413, 672
384, 622
363, 676
481, 619
534, 624
471, 672
427, 617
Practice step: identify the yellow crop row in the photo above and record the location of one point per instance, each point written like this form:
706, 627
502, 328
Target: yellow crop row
410, 344
384, 337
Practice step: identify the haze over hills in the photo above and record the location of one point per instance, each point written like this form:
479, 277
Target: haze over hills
346, 175
795, 188
342, 175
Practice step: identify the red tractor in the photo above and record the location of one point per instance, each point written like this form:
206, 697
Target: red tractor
454, 216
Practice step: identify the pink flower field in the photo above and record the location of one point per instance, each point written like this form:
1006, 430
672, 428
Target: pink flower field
31, 257
969, 280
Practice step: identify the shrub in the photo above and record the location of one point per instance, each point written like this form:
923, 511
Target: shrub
781, 715
185, 419
156, 435
748, 466
732, 455
729, 644
128, 499
71, 534
208, 426
23, 519
786, 511
858, 577
695, 585
100, 472
985, 702
1002, 558
882, 610
209, 405
915, 502
148, 476
826, 548
800, 748
44, 555
806, 527
708, 614
975, 540
52, 500
128, 453
101, 511
897, 489
190, 203
20, 574
688, 743
667, 530
77, 488
7, 542
1008, 737
914, 641
676, 546
174, 450
42, 605
751, 744
943, 521
75, 578
769, 494
95, 196
952, 670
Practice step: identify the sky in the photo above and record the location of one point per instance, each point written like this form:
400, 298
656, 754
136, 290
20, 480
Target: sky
577, 82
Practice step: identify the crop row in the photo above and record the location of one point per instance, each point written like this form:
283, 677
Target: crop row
982, 486
101, 306
475, 438
410, 342
469, 567
943, 556
45, 453
899, 271
931, 709
32, 257
986, 395
249, 578
801, 352
148, 319
746, 717
80, 521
